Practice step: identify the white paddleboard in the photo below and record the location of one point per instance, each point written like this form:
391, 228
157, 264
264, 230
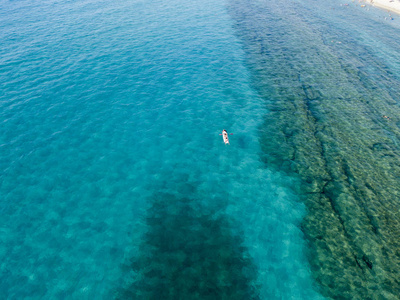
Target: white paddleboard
225, 136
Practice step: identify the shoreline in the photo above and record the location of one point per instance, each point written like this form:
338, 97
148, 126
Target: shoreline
390, 5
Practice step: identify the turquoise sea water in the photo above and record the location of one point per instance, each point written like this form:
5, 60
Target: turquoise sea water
115, 182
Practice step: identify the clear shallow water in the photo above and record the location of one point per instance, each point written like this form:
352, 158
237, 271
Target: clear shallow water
115, 182
113, 170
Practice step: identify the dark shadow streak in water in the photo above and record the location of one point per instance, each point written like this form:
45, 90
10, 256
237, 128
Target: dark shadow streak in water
189, 253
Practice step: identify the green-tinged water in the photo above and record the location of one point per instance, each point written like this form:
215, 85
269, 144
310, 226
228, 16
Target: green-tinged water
329, 75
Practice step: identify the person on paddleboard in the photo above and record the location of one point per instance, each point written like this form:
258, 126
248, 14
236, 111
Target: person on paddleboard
225, 136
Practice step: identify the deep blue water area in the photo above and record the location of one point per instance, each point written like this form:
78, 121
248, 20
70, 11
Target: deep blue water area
114, 179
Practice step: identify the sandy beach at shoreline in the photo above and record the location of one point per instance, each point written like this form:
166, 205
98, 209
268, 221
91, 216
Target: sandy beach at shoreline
391, 5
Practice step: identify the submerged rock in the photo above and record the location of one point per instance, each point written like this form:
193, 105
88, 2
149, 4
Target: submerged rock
324, 124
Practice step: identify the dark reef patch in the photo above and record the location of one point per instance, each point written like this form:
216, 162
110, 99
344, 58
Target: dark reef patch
189, 252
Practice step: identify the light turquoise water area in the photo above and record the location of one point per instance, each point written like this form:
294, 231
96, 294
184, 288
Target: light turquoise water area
115, 182
114, 179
